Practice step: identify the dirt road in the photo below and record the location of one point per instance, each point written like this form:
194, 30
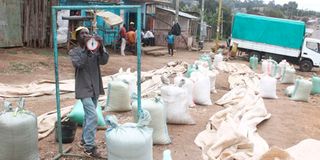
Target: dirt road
290, 123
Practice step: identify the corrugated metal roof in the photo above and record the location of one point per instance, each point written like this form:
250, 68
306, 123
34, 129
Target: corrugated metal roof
182, 14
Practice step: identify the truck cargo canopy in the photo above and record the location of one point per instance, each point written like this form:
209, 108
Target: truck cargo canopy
273, 31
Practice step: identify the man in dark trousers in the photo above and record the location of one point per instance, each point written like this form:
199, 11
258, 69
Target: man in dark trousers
88, 85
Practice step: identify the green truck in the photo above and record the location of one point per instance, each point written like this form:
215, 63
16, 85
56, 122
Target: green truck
277, 38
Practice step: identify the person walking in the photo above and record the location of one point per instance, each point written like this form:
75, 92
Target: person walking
170, 41
88, 85
123, 34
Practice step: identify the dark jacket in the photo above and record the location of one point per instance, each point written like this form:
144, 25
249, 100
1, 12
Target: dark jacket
88, 81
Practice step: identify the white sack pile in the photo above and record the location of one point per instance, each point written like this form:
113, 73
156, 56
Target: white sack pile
232, 133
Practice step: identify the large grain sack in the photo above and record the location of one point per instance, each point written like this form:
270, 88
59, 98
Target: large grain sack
302, 90
254, 61
269, 67
289, 90
218, 58
158, 122
308, 149
268, 87
77, 114
315, 85
131, 80
281, 68
18, 133
201, 90
118, 98
175, 102
186, 84
288, 75
212, 74
130, 141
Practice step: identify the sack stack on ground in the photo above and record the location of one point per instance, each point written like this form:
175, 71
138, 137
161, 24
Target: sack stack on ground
175, 102
77, 114
118, 98
288, 75
18, 133
201, 90
129, 141
315, 85
269, 67
268, 87
155, 107
188, 85
302, 90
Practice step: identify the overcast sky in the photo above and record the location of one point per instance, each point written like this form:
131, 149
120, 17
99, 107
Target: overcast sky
302, 4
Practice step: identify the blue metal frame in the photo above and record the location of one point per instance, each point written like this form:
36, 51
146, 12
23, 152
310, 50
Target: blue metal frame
56, 65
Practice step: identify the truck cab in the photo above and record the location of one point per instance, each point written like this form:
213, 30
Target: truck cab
310, 54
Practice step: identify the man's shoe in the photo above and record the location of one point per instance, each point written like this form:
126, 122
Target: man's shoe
92, 153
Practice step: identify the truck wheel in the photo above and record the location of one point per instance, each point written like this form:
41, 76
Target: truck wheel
306, 65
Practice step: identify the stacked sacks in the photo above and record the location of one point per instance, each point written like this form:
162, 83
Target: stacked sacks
254, 62
175, 102
315, 85
212, 74
282, 67
77, 114
158, 122
268, 87
288, 75
269, 67
18, 133
188, 85
302, 90
201, 91
218, 58
118, 98
130, 79
130, 141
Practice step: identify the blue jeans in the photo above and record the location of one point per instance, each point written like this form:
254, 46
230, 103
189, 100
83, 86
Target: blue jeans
90, 121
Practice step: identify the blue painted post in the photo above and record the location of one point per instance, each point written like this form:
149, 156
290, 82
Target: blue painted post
139, 58
56, 69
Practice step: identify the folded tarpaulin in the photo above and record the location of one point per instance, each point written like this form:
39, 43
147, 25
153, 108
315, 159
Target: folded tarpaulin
110, 18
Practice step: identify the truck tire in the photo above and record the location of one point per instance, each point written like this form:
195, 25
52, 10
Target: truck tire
306, 65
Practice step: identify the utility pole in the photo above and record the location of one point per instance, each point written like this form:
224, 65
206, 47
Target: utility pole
201, 23
177, 11
221, 33
219, 20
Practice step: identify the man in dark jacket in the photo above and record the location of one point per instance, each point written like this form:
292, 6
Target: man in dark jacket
88, 85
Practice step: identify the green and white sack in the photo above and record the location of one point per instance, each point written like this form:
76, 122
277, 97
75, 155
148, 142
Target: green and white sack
130, 141
288, 75
118, 98
270, 67
158, 122
18, 133
77, 114
315, 85
175, 102
302, 90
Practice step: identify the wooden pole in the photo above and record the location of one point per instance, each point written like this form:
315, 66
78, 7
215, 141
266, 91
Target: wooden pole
177, 12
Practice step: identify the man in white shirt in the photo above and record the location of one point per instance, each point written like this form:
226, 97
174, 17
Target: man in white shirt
149, 38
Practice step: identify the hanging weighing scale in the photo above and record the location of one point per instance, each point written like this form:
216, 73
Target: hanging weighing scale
92, 44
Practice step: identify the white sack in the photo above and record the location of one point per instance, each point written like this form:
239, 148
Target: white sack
118, 98
289, 90
188, 85
130, 141
201, 90
158, 122
268, 87
175, 102
288, 75
308, 149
